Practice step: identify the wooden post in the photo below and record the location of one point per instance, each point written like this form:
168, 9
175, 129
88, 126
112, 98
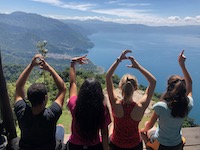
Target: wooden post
6, 111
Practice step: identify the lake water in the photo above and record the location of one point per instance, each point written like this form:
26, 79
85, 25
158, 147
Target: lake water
156, 52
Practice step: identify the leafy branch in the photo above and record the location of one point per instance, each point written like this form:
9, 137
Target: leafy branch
43, 51
42, 48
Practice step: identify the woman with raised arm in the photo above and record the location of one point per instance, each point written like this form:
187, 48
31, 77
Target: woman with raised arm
89, 113
126, 112
174, 106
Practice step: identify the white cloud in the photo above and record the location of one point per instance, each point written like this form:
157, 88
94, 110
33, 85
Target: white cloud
120, 14
189, 19
127, 13
83, 7
197, 18
53, 2
113, 2
146, 20
118, 2
70, 5
5, 12
136, 4
82, 18
174, 18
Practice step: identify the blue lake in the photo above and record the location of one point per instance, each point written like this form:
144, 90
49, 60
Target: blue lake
158, 53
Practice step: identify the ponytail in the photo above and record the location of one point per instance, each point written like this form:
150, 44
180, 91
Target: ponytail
127, 90
176, 97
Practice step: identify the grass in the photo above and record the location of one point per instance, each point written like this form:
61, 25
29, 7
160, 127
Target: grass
65, 119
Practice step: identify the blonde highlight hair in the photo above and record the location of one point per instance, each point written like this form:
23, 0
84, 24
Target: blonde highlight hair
128, 84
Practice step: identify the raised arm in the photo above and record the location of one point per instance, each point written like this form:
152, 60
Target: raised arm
187, 77
72, 74
21, 81
145, 100
58, 81
109, 82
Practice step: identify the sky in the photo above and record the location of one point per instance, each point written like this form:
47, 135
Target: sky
148, 12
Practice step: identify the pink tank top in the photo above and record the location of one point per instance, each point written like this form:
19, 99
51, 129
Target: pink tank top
75, 138
126, 133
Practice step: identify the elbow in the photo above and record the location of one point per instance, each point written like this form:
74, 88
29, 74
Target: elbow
19, 86
153, 82
108, 77
63, 88
191, 81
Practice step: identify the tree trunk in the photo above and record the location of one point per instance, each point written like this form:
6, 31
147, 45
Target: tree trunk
6, 111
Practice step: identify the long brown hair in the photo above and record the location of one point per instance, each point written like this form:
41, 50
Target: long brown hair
176, 97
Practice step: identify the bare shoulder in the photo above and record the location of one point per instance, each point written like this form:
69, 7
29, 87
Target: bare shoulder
118, 101
117, 109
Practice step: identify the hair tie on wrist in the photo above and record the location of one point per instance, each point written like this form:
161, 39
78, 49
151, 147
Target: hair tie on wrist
118, 59
72, 61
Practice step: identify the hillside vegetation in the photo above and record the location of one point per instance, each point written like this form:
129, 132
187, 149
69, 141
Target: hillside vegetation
20, 32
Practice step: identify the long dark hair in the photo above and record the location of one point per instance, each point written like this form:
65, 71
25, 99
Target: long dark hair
89, 109
176, 97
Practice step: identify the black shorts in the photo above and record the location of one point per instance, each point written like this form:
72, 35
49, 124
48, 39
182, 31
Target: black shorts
115, 147
177, 147
70, 146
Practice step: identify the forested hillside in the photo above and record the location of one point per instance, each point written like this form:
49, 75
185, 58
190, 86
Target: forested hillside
20, 32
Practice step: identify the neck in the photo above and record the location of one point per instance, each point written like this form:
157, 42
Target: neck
37, 109
128, 101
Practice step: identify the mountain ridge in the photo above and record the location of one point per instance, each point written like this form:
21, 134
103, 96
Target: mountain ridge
20, 32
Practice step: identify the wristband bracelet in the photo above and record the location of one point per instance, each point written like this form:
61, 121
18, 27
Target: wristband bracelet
118, 60
73, 62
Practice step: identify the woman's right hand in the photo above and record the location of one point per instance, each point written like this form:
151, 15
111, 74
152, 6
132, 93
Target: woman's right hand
181, 58
80, 60
123, 54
